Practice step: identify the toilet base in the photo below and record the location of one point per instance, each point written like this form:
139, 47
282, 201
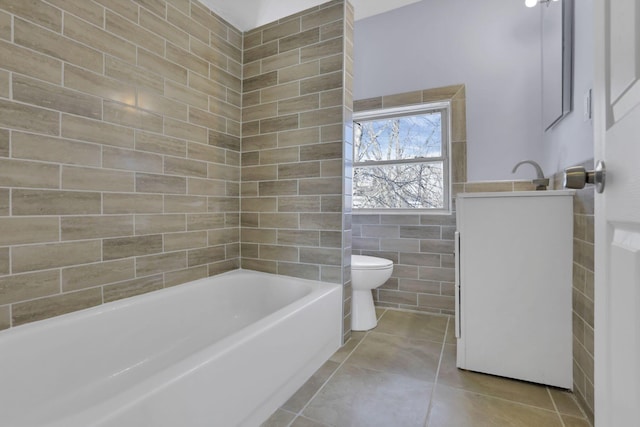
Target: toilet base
363, 312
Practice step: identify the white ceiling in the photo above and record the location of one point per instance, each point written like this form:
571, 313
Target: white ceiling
248, 14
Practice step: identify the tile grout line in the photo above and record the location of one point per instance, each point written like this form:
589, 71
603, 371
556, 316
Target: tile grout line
515, 402
509, 401
435, 381
489, 395
582, 411
484, 394
433, 391
407, 337
553, 401
299, 413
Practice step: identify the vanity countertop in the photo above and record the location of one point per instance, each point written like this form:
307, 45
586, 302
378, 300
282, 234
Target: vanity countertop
546, 193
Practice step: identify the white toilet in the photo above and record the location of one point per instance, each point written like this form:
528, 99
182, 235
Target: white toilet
367, 273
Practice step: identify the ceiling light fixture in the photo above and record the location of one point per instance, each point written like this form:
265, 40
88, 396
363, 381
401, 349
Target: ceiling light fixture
533, 3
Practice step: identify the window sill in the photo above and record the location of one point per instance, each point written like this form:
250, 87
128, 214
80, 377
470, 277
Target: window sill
402, 212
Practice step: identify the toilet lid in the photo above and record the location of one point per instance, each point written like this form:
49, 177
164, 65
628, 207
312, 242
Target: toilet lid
364, 262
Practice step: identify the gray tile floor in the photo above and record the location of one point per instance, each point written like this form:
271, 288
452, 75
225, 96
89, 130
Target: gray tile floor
403, 374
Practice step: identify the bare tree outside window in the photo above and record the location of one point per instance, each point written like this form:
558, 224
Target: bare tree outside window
400, 162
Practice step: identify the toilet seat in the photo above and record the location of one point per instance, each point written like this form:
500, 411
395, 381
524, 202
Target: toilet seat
364, 262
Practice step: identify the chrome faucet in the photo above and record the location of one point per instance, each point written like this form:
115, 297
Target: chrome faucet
540, 182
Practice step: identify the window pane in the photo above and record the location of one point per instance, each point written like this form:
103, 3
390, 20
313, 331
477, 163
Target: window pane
397, 138
412, 185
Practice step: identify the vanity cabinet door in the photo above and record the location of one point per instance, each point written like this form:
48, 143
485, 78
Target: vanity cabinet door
515, 266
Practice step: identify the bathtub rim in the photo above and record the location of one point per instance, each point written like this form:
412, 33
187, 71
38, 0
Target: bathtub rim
122, 303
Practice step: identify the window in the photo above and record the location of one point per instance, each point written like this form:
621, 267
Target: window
401, 158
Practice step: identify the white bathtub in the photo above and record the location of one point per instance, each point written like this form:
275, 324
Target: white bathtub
223, 351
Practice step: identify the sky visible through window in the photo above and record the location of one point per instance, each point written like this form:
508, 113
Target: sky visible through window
407, 137
399, 162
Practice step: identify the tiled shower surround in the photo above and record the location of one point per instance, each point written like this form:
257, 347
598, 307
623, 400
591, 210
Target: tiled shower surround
121, 127
121, 151
295, 146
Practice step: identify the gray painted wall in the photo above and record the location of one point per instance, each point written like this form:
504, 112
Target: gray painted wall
570, 142
493, 47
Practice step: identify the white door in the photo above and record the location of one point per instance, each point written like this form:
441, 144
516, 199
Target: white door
617, 142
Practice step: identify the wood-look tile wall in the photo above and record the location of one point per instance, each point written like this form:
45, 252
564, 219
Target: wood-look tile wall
120, 131
347, 168
420, 246
422, 249
583, 293
293, 138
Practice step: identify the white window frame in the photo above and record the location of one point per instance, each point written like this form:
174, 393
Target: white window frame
445, 157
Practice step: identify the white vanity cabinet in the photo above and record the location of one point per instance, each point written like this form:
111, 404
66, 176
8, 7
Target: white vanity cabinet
514, 256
